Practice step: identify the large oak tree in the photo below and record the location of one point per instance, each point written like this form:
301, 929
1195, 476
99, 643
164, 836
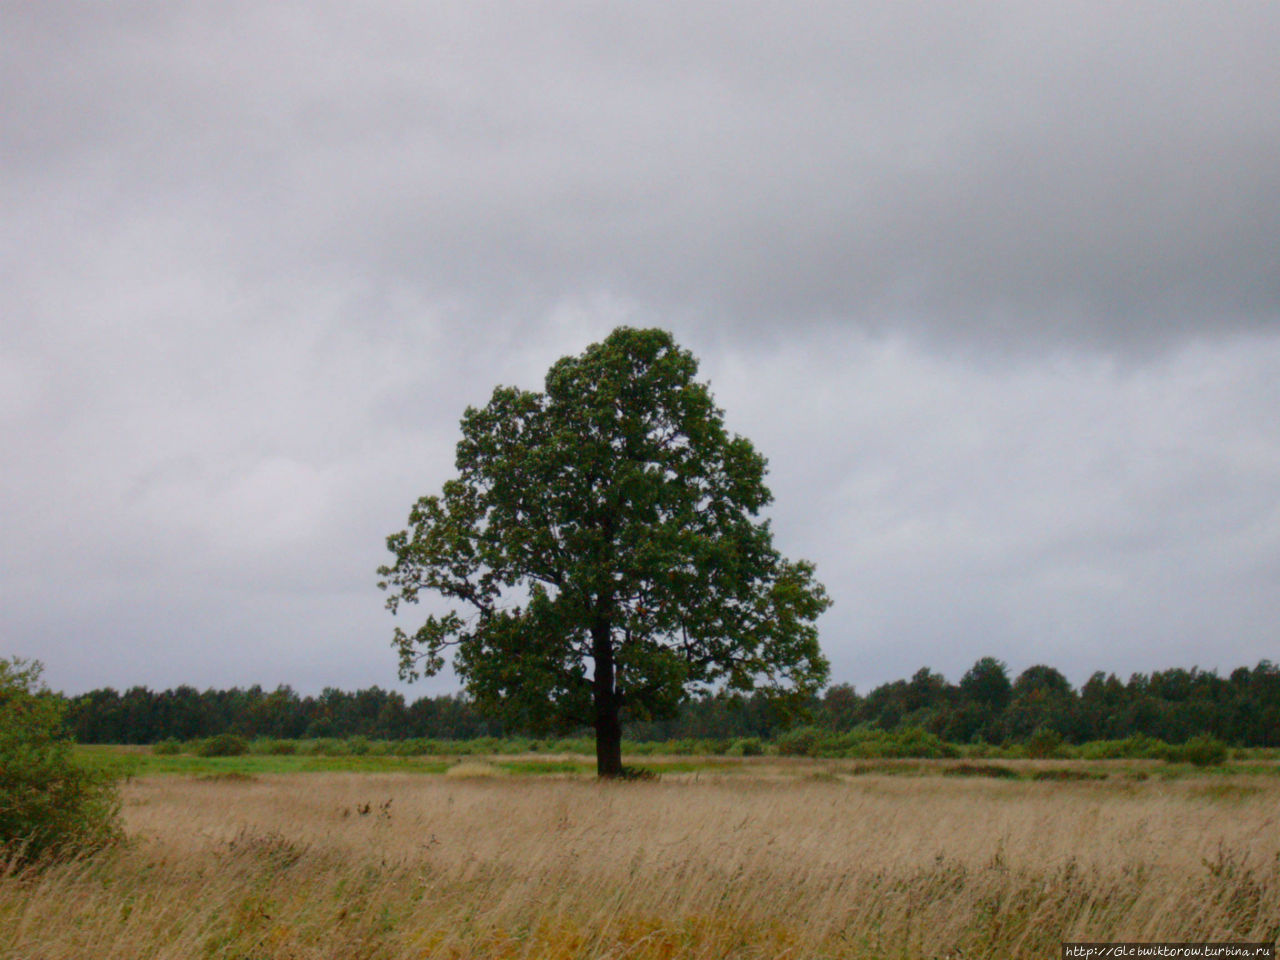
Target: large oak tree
602, 549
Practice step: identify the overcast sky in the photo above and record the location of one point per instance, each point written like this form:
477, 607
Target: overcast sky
995, 288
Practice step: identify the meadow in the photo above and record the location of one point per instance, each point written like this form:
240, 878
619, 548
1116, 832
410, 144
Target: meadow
767, 857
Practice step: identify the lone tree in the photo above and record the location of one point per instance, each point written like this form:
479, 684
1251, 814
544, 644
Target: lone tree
603, 540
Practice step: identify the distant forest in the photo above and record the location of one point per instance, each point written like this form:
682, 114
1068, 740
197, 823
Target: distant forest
986, 705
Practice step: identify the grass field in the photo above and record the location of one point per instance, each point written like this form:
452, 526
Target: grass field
137, 761
763, 857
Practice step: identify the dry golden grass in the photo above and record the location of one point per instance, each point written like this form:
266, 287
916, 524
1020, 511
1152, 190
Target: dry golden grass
397, 866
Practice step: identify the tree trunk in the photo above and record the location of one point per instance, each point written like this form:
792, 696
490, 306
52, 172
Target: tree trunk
608, 725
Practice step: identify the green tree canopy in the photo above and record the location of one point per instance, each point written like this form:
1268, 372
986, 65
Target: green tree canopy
602, 548
1042, 679
987, 683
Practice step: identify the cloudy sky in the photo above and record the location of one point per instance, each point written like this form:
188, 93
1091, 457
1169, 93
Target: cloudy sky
995, 288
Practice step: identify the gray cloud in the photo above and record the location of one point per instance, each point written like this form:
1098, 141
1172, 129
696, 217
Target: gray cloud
1092, 172
994, 286
1083, 512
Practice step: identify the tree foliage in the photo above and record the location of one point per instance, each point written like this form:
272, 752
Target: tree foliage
603, 550
1242, 709
48, 803
987, 684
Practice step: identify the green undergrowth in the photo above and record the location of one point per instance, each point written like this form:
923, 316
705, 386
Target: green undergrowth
861, 743
124, 762
138, 763
863, 750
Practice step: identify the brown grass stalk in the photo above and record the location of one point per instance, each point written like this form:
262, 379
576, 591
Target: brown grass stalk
395, 866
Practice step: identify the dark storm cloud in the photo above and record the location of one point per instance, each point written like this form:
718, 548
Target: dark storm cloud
1077, 172
994, 286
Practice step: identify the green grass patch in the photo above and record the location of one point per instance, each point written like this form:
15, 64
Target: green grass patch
554, 758
133, 763
542, 767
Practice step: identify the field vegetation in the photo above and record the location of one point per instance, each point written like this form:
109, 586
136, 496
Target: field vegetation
874, 750
718, 857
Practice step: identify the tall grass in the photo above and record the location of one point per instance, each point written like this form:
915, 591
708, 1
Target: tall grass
473, 866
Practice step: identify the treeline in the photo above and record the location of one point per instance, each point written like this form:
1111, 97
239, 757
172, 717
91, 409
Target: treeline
986, 705
140, 715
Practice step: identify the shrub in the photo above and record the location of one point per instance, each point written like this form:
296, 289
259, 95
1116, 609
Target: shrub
223, 745
167, 747
872, 742
747, 747
1102, 749
1203, 751
1044, 743
1137, 746
918, 743
800, 742
49, 804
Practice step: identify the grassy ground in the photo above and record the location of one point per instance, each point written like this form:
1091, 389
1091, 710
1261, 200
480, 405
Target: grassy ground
143, 761
763, 858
